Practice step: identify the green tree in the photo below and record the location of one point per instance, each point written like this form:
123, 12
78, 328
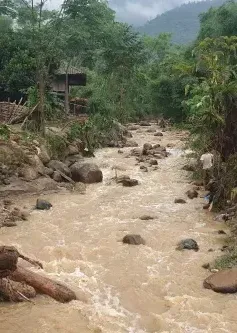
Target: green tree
220, 21
212, 105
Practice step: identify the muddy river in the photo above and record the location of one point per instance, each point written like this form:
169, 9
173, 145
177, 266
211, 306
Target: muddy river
134, 289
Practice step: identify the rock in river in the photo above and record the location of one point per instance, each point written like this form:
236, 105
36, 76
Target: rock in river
153, 162
188, 167
222, 282
158, 134
188, 244
143, 168
192, 194
43, 204
133, 127
146, 218
179, 201
151, 130
130, 182
86, 173
121, 178
146, 148
133, 240
145, 123
131, 143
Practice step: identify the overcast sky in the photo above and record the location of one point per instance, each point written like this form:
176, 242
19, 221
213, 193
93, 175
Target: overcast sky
137, 12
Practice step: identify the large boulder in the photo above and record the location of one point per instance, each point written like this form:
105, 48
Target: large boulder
59, 166
44, 155
133, 239
36, 162
44, 184
28, 173
188, 244
222, 282
86, 173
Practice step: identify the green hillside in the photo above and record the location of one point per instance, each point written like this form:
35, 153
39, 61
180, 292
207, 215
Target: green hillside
182, 22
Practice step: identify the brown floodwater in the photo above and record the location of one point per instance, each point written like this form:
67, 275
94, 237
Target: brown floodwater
133, 289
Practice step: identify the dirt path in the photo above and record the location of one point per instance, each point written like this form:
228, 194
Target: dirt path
150, 288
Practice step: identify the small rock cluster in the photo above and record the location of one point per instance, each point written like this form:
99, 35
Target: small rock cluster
10, 214
126, 181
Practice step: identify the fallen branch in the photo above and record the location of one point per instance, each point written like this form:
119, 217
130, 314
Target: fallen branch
18, 283
44, 285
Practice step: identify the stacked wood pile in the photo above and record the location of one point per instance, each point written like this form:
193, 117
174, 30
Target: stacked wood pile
78, 105
12, 113
20, 284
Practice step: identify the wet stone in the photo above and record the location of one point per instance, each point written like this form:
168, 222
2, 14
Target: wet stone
130, 182
146, 218
221, 232
179, 201
188, 244
43, 204
133, 239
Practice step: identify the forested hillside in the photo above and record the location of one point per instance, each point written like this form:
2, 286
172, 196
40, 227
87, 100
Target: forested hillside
182, 22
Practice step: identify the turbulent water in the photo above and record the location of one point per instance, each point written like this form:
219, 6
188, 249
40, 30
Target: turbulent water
134, 289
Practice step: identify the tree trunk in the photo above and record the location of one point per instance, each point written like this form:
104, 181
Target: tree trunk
67, 94
43, 285
41, 103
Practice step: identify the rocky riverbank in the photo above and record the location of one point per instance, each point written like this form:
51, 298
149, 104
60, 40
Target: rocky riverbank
36, 165
117, 243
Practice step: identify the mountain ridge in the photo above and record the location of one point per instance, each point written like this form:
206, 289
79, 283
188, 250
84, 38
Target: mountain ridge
182, 22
